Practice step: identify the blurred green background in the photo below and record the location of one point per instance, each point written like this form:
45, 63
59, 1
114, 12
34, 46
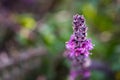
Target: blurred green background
26, 25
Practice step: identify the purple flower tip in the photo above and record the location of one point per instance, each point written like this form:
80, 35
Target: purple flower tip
78, 46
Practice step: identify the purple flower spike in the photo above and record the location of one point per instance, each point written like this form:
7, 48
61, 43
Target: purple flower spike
78, 46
